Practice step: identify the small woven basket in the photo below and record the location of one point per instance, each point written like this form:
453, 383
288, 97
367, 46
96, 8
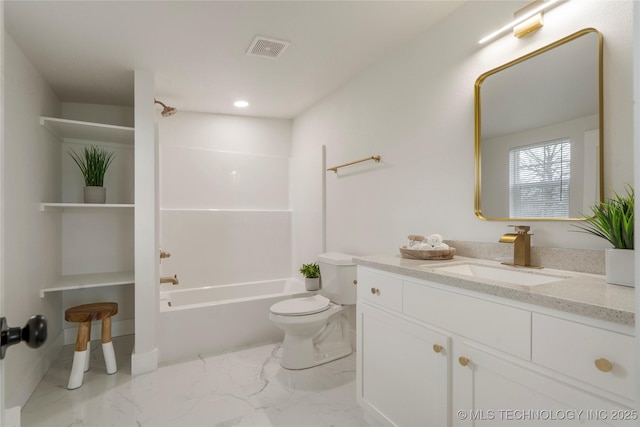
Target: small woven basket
427, 255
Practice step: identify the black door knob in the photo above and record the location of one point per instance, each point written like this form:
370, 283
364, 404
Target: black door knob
34, 333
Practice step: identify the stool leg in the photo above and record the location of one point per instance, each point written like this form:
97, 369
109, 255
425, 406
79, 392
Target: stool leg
107, 347
79, 356
88, 358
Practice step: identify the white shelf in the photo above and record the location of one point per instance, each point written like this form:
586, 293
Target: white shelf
74, 129
221, 210
90, 206
87, 281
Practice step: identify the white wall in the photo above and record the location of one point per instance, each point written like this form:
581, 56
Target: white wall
415, 109
31, 238
224, 198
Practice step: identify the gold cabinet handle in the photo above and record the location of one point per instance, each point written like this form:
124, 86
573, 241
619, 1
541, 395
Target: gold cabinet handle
375, 291
355, 282
463, 361
603, 364
437, 348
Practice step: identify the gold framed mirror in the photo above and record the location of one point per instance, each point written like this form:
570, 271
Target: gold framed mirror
538, 133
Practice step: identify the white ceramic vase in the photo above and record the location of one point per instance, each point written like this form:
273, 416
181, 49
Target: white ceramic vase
620, 267
312, 284
95, 194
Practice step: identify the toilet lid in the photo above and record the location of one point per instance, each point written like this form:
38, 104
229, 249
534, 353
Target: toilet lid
301, 306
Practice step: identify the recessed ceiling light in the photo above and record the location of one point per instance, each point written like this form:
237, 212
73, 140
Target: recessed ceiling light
241, 104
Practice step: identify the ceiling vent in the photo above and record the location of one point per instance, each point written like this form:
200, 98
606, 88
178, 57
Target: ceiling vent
267, 47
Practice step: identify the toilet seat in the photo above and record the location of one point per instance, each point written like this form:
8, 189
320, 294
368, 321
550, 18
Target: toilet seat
301, 306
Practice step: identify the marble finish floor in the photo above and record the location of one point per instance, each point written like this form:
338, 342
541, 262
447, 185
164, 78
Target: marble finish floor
243, 388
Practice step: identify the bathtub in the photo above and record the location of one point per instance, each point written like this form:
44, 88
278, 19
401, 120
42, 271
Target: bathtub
216, 319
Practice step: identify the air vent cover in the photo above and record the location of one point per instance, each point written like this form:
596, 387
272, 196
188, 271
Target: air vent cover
267, 47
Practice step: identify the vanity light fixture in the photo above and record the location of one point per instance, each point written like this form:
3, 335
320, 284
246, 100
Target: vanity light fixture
241, 104
526, 20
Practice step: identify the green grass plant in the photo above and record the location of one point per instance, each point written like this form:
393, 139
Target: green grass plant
310, 271
93, 162
612, 220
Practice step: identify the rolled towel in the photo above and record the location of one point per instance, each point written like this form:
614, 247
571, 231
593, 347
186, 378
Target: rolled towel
441, 247
424, 246
434, 240
415, 241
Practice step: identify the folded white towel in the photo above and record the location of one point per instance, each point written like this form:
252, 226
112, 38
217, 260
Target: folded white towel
441, 247
434, 240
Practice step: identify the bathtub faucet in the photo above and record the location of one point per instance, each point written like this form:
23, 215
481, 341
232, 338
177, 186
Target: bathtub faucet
173, 280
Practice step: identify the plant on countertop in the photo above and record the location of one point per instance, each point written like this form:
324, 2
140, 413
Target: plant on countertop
310, 271
93, 162
612, 220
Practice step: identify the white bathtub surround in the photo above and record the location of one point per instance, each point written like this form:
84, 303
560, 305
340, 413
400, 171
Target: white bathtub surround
218, 247
245, 388
225, 218
216, 319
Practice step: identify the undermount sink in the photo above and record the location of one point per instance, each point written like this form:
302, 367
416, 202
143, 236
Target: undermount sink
506, 274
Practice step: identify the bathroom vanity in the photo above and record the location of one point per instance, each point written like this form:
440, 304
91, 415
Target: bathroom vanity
441, 347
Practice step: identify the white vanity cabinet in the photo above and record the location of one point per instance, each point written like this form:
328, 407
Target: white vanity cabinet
491, 391
499, 362
403, 367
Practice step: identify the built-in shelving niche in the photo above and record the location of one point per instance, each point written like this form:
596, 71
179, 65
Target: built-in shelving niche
87, 132
74, 129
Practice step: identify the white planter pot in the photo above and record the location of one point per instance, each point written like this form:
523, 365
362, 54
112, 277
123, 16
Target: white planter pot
312, 284
95, 194
620, 266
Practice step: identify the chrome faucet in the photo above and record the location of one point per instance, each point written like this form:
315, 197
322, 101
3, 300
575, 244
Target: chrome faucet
521, 241
173, 280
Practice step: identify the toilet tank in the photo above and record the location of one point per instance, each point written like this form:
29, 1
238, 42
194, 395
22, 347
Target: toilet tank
337, 277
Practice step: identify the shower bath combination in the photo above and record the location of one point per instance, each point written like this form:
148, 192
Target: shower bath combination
166, 110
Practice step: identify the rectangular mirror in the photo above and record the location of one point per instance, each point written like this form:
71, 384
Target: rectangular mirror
538, 133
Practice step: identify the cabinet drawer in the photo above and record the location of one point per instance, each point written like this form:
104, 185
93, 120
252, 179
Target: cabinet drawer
380, 289
496, 325
572, 349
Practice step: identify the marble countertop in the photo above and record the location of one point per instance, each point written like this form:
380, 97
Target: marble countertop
579, 293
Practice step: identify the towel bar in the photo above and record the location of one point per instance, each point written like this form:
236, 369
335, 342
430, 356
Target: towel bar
335, 168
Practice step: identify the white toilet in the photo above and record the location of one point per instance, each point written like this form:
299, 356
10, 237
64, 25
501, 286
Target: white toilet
316, 328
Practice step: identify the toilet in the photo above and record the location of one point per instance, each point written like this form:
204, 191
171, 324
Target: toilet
316, 329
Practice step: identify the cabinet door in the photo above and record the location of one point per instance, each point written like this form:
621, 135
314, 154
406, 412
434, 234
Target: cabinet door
490, 391
403, 370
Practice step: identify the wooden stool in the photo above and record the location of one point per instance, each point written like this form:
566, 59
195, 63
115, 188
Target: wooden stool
84, 314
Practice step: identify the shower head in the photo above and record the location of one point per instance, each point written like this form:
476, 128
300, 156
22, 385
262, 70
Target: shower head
166, 110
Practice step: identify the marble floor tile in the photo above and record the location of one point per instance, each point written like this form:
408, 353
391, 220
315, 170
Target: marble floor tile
244, 388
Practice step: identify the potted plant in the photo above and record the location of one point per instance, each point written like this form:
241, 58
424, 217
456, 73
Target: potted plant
311, 273
93, 163
612, 220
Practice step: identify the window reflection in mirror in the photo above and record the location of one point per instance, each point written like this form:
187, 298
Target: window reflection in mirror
539, 132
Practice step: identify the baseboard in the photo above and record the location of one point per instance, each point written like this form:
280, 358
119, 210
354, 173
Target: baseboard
12, 417
31, 380
118, 328
142, 363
